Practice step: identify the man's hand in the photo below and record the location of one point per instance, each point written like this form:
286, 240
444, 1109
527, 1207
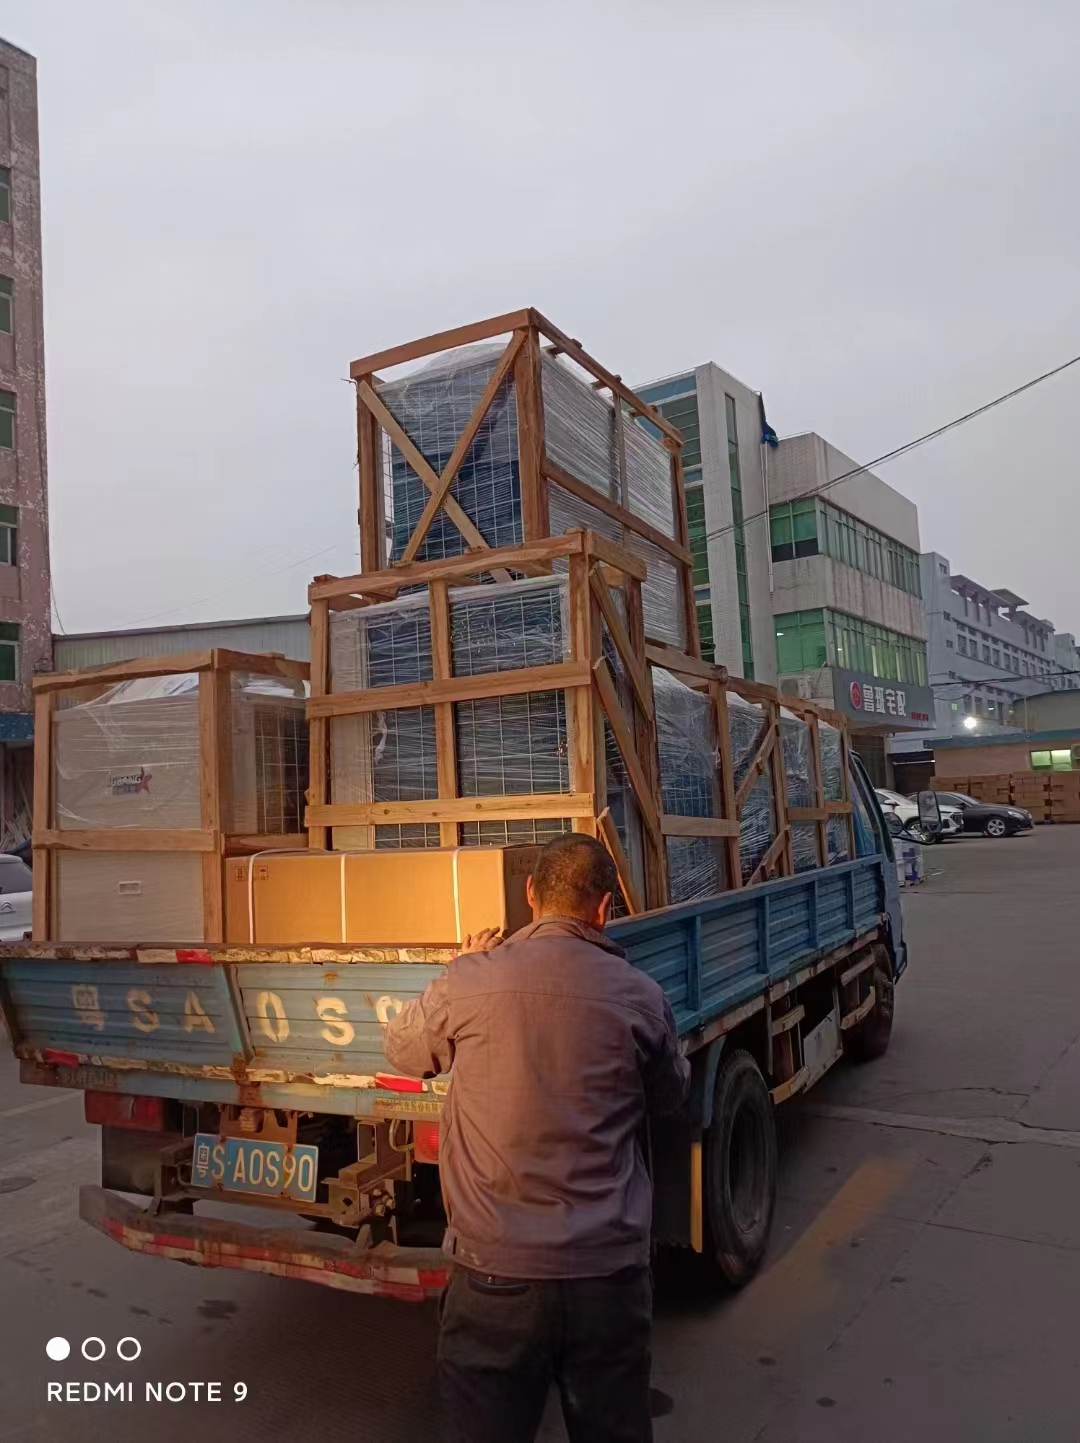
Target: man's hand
482, 941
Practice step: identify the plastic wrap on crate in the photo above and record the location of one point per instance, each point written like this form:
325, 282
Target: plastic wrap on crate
832, 762
686, 740
837, 836
130, 756
433, 406
661, 593
747, 725
129, 897
579, 427
697, 867
799, 780
648, 479
505, 745
622, 802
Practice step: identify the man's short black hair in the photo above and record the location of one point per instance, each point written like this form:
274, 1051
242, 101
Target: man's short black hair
573, 874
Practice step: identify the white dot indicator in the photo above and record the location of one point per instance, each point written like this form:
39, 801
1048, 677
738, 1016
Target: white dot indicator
58, 1349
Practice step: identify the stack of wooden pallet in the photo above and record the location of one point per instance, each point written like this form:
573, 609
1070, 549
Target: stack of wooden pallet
994, 788
1064, 796
1030, 790
949, 784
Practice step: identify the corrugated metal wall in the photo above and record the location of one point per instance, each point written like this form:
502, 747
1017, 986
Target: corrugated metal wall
286, 634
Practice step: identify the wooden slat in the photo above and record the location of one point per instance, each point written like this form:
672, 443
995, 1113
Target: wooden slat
213, 695
455, 688
601, 549
460, 451
806, 814
587, 772
686, 575
761, 757
554, 472
261, 663
177, 664
618, 635
624, 738
779, 791
821, 835
441, 341
127, 839
369, 468
420, 464
673, 826
442, 667
452, 568
535, 806
727, 782
609, 835
771, 857
44, 707
614, 383
319, 728
678, 661
237, 844
838, 809
528, 393
656, 887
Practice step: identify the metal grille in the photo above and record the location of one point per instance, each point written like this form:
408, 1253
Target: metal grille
433, 409
281, 769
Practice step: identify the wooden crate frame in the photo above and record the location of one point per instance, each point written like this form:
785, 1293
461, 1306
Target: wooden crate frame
213, 667
595, 565
528, 330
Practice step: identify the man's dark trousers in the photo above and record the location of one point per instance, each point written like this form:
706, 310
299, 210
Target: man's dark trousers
503, 1341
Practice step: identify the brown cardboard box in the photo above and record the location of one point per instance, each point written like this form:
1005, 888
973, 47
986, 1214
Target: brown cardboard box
380, 898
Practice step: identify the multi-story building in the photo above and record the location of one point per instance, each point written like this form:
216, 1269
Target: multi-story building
25, 629
722, 422
985, 653
850, 628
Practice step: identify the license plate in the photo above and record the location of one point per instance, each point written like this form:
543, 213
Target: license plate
247, 1164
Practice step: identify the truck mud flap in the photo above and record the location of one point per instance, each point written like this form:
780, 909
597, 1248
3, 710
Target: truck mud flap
407, 1274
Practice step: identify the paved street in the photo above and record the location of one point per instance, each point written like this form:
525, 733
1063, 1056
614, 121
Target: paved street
924, 1281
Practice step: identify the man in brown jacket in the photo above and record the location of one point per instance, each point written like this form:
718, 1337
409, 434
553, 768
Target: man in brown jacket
558, 1047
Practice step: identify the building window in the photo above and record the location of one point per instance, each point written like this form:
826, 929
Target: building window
739, 536
1055, 761
800, 641
997, 658
7, 287
793, 530
5, 193
9, 651
985, 652
7, 420
961, 643
699, 546
683, 415
705, 633
9, 535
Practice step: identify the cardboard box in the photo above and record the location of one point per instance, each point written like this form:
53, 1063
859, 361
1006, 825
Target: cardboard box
386, 898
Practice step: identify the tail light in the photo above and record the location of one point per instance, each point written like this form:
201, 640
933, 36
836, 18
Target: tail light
426, 1141
117, 1109
390, 1083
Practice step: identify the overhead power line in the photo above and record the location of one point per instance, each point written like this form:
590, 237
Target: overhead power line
905, 448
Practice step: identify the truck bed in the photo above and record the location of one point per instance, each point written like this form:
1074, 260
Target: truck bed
299, 1027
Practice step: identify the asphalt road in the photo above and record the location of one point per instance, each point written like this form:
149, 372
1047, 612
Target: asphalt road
924, 1280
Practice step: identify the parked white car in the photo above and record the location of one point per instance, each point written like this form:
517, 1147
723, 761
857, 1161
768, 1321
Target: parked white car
907, 812
16, 881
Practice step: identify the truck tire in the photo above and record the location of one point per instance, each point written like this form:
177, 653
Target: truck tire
870, 1037
739, 1172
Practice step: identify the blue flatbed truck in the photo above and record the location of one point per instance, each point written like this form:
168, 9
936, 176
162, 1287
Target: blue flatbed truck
255, 1076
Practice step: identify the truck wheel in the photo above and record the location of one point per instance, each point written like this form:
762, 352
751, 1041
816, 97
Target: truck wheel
870, 1037
739, 1171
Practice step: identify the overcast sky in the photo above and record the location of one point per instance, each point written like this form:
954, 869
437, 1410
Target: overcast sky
867, 211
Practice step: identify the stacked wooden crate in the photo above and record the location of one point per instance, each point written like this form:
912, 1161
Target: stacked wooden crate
949, 784
1031, 790
1064, 796
519, 656
147, 774
995, 788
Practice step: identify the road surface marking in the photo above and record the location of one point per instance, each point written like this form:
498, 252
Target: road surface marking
37, 1106
978, 1129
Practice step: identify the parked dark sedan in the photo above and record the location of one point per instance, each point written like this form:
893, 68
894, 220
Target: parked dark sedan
993, 819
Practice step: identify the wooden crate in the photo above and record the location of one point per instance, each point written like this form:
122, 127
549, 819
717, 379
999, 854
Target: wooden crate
211, 797
532, 346
598, 569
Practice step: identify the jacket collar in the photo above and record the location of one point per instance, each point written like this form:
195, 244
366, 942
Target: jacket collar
567, 927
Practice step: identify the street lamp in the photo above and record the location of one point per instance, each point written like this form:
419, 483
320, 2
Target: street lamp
971, 723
